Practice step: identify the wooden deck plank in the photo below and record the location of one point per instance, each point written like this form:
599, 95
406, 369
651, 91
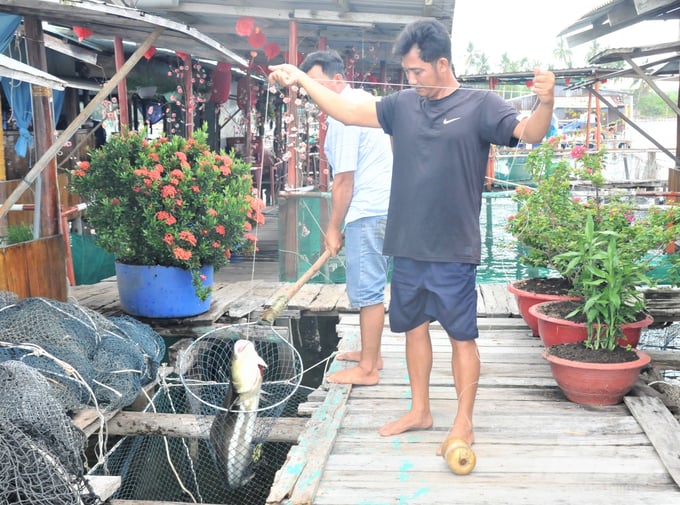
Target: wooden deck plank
661, 428
327, 299
532, 445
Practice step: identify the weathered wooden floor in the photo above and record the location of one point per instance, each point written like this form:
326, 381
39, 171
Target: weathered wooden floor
249, 298
532, 445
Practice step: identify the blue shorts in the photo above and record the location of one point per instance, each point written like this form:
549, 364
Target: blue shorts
425, 291
366, 267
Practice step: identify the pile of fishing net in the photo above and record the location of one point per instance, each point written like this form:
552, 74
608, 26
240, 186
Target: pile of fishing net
56, 357
230, 456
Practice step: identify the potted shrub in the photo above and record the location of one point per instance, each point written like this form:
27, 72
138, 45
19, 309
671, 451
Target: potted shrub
606, 262
546, 224
167, 207
551, 223
599, 370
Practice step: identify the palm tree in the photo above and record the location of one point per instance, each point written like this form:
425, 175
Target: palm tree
593, 49
562, 52
483, 66
470, 57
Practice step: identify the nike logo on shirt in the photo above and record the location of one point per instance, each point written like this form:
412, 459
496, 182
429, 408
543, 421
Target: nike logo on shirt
447, 121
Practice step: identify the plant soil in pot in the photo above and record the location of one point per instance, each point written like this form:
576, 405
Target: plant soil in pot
595, 383
529, 292
554, 328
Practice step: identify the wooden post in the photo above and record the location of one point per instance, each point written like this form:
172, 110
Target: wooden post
292, 109
123, 110
674, 172
188, 95
43, 130
291, 215
323, 164
3, 168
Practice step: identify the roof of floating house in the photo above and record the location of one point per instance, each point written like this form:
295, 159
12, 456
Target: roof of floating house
14, 69
615, 15
207, 29
367, 28
107, 20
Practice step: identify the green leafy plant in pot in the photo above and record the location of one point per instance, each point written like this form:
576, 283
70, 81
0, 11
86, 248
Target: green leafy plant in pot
608, 264
547, 224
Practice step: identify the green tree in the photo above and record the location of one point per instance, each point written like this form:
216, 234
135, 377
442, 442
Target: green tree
470, 57
562, 53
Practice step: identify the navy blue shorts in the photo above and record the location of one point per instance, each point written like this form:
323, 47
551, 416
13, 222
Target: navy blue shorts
425, 291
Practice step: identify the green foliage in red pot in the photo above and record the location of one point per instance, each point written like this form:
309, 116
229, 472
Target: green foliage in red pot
168, 201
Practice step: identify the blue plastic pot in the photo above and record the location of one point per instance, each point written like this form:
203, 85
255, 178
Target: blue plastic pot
157, 291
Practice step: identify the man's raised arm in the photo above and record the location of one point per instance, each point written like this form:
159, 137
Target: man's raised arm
345, 111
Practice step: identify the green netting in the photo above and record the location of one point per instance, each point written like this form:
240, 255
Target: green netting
309, 213
91, 263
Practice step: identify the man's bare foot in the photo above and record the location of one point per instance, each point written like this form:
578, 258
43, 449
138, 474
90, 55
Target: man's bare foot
356, 356
354, 375
409, 421
464, 434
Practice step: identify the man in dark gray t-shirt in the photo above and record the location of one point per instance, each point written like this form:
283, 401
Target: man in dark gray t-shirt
442, 134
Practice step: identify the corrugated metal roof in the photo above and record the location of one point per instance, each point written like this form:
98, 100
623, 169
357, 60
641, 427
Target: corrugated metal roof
20, 71
615, 15
365, 28
108, 20
207, 28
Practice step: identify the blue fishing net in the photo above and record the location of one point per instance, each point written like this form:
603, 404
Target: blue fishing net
56, 357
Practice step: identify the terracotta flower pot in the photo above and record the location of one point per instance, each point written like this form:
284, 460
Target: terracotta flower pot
596, 383
527, 299
556, 331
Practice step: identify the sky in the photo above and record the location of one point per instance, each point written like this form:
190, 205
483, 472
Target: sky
529, 28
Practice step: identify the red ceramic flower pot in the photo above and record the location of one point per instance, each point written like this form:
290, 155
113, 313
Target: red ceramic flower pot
556, 331
596, 383
527, 299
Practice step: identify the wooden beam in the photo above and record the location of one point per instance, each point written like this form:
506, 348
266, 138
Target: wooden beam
661, 428
149, 502
104, 486
63, 47
43, 132
284, 429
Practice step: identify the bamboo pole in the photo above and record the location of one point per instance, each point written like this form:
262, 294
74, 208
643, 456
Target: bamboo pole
284, 429
75, 124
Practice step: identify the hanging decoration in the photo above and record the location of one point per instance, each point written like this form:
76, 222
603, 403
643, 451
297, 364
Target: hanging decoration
150, 52
246, 86
221, 83
257, 39
245, 26
82, 33
530, 83
272, 50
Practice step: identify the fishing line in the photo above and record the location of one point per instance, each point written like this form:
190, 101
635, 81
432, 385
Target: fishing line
150, 402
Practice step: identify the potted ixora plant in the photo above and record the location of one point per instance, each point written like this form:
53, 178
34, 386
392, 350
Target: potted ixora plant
606, 257
171, 210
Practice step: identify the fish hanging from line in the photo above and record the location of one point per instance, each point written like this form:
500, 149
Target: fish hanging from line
233, 429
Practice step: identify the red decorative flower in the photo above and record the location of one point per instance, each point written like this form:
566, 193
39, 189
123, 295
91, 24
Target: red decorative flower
257, 39
271, 50
245, 26
82, 33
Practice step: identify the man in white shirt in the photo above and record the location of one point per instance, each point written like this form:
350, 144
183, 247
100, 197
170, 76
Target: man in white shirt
361, 159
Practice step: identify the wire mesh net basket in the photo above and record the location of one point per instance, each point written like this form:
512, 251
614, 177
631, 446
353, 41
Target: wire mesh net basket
244, 376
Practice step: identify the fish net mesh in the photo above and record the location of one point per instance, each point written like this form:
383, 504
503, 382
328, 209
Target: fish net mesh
55, 358
195, 467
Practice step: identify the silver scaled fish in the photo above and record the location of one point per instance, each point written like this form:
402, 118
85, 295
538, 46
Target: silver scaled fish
233, 429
